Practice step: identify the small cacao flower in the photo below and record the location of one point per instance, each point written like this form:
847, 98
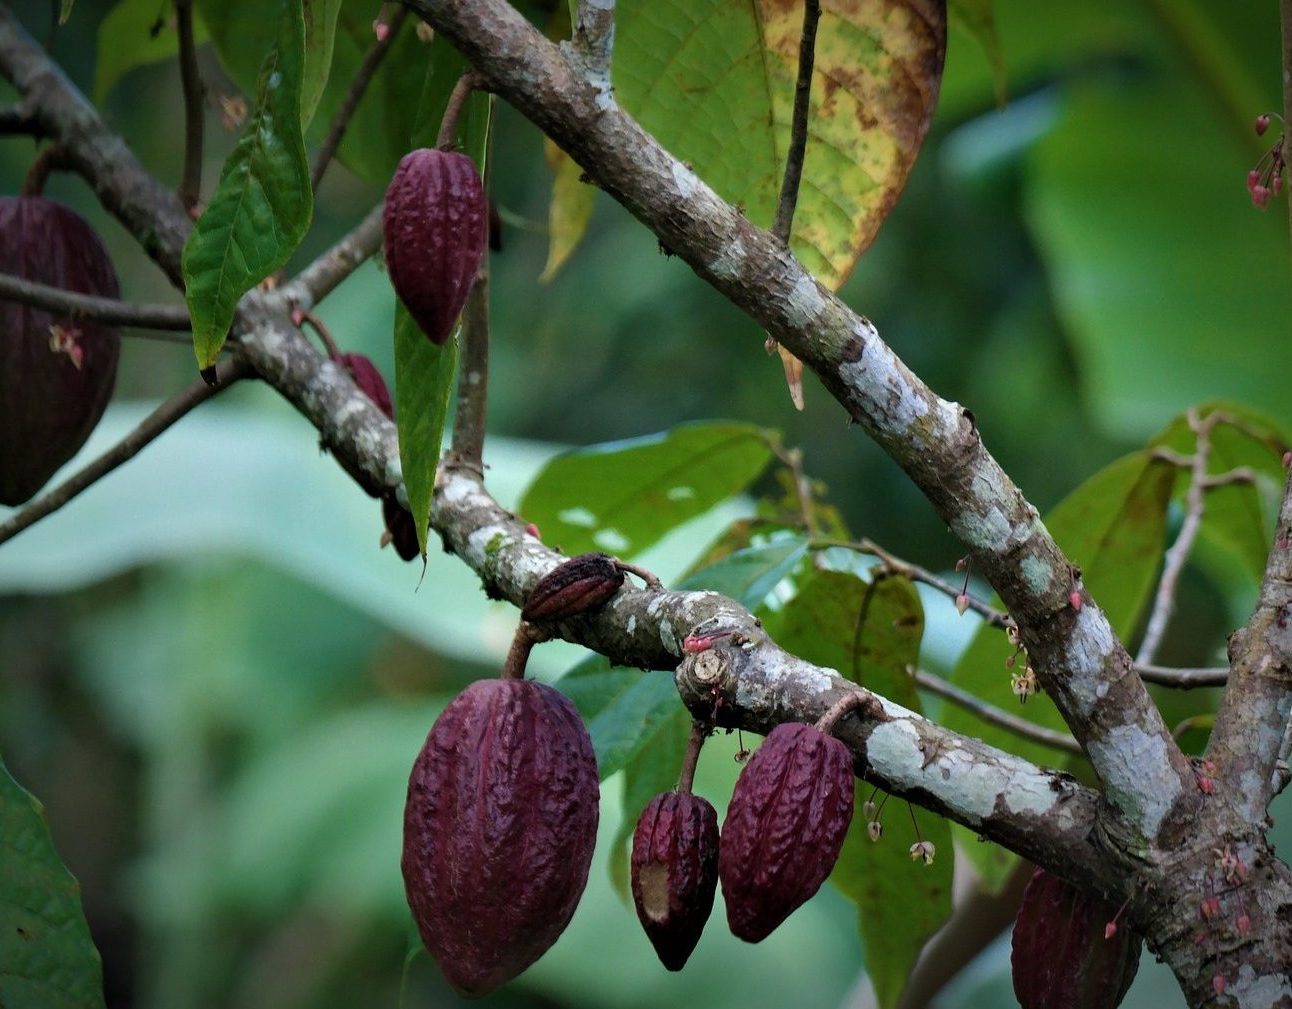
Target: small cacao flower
580, 584
56, 374
436, 222
1061, 958
675, 872
499, 827
785, 826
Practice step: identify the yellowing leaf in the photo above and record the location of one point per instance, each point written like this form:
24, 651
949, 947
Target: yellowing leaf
569, 212
714, 81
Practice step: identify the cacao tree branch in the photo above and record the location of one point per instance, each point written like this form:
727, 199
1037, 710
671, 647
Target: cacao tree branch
321, 277
90, 306
990, 713
345, 112
1184, 679
227, 372
190, 186
1082, 665
594, 41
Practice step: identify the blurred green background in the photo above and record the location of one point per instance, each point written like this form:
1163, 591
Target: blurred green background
216, 681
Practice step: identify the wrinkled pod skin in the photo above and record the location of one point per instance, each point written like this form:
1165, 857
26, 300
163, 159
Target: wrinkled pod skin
785, 827
49, 405
675, 873
436, 224
580, 584
499, 828
1060, 958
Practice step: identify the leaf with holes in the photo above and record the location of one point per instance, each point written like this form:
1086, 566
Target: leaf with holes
47, 955
714, 81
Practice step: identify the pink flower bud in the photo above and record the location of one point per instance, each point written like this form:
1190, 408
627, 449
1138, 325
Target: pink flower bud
1243, 923
962, 603
1074, 598
380, 29
1210, 907
1253, 179
1110, 930
1218, 984
1262, 124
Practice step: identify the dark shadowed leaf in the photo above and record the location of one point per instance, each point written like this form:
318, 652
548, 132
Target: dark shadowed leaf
47, 959
714, 81
623, 496
133, 35
978, 18
320, 35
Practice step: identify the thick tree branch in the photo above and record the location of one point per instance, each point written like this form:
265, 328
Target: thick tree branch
89, 306
1081, 663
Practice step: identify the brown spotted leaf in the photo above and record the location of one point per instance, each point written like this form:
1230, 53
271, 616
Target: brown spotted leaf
714, 81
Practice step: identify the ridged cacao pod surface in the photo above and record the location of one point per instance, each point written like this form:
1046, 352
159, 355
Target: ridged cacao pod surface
1060, 958
56, 373
785, 827
436, 225
580, 584
499, 828
675, 872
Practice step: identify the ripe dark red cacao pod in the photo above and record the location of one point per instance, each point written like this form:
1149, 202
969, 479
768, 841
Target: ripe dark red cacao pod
56, 373
1060, 958
499, 827
403, 532
675, 872
580, 584
368, 378
436, 225
785, 826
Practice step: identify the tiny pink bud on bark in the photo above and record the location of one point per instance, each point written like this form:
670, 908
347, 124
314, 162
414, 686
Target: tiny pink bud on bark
1243, 923
962, 603
1206, 786
1074, 598
380, 29
1262, 124
1209, 908
1110, 930
533, 531
1218, 984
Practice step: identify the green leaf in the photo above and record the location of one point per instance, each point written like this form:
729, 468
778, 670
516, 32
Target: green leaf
424, 371
871, 632
135, 33
568, 213
623, 496
65, 11
978, 19
714, 81
47, 959
1114, 527
263, 204
320, 36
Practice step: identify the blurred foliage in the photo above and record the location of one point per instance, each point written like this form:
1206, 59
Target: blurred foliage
220, 722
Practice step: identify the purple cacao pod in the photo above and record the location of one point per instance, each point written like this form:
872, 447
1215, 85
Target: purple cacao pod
436, 221
1060, 958
675, 872
580, 584
403, 533
369, 380
499, 828
785, 827
56, 372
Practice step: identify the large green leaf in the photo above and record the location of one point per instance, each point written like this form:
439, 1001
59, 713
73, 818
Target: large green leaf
134, 33
978, 18
871, 633
263, 204
623, 496
423, 370
1114, 527
320, 35
714, 81
47, 959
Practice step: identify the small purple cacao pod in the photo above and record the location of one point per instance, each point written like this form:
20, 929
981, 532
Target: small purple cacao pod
675, 872
499, 827
580, 584
403, 533
369, 380
56, 372
785, 827
1061, 956
436, 226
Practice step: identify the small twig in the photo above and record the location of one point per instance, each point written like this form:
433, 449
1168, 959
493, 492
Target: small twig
594, 42
51, 159
792, 460
190, 186
996, 716
358, 86
1182, 679
526, 637
1239, 474
448, 133
321, 277
853, 701
649, 577
699, 733
302, 317
473, 376
228, 371
1178, 553
799, 125
88, 306
905, 569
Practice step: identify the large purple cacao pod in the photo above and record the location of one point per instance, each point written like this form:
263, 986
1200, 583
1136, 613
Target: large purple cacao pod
675, 872
1060, 958
56, 373
785, 826
436, 223
499, 829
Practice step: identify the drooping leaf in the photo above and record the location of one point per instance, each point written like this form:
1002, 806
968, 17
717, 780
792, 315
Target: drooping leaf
320, 34
568, 213
47, 958
623, 496
870, 632
1114, 527
978, 19
423, 370
134, 33
714, 81
263, 204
